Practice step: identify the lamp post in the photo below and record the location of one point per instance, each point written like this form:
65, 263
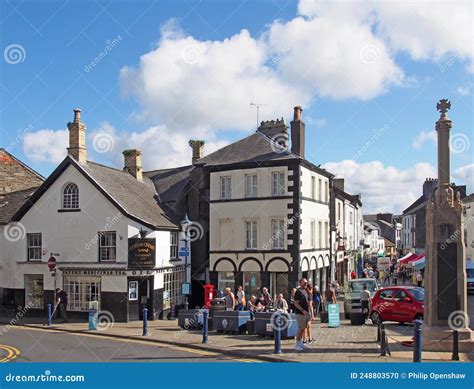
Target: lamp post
185, 223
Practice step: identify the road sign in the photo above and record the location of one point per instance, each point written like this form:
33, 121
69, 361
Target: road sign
52, 263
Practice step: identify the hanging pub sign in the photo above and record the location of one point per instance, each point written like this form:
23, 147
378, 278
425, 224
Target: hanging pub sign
141, 253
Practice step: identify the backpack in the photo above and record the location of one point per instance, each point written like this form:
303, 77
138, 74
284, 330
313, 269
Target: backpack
316, 298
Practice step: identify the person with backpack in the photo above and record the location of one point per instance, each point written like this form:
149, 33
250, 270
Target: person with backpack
316, 300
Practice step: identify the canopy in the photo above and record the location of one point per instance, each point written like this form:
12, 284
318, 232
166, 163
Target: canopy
405, 256
409, 259
419, 263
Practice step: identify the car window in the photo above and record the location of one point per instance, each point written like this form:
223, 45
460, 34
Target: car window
386, 294
358, 286
418, 294
400, 295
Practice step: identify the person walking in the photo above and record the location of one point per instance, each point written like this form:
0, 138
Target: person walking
365, 301
229, 300
61, 304
316, 300
302, 313
240, 298
353, 275
329, 297
292, 300
419, 279
308, 337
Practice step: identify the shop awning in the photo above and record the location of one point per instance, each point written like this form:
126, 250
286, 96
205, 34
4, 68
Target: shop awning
404, 257
411, 258
419, 263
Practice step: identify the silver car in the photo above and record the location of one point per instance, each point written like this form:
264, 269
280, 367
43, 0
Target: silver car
352, 294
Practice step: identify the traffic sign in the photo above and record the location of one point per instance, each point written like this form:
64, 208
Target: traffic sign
52, 263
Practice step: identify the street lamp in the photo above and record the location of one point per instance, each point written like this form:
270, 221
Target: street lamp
185, 223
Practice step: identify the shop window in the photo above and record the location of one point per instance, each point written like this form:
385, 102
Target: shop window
34, 242
80, 291
252, 283
173, 245
107, 246
172, 289
225, 279
34, 291
279, 284
70, 196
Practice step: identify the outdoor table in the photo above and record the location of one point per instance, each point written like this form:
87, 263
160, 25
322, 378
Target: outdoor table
264, 325
230, 321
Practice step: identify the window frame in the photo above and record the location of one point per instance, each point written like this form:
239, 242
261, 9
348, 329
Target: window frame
251, 235
102, 234
173, 245
278, 242
70, 200
225, 187
313, 233
278, 184
251, 185
36, 247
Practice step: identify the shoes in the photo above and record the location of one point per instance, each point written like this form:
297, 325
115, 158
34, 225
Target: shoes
310, 341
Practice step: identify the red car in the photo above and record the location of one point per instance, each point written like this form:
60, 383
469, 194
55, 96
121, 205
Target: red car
398, 303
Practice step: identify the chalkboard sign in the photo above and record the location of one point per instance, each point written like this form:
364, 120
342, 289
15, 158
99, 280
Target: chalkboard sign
141, 253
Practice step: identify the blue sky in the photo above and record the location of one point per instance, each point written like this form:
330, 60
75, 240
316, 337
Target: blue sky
152, 74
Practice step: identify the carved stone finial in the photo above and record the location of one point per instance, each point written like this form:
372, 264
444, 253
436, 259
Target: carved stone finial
443, 106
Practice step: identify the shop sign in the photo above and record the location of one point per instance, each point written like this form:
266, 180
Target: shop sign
333, 315
93, 272
141, 253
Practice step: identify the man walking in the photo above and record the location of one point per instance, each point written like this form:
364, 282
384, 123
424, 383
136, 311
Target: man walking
419, 279
61, 303
329, 296
364, 301
303, 316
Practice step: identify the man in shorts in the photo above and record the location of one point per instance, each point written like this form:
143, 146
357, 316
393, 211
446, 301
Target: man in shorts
302, 313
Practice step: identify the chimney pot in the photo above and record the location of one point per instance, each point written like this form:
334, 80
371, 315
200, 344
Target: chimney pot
198, 149
297, 113
77, 115
133, 163
77, 138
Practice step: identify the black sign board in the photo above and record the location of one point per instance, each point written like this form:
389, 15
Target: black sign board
141, 253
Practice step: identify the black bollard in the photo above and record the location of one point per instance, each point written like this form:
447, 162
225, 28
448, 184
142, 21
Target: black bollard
384, 349
417, 341
277, 331
205, 326
378, 331
455, 356
145, 322
50, 319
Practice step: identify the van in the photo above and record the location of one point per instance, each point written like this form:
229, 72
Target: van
352, 294
470, 275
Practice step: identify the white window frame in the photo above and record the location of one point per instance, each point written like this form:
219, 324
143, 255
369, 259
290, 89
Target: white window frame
81, 290
320, 234
313, 188
278, 233
34, 291
251, 185
70, 196
320, 189
225, 187
313, 233
108, 257
172, 288
251, 234
278, 183
225, 279
34, 244
173, 245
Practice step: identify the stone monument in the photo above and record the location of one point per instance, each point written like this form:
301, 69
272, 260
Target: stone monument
445, 272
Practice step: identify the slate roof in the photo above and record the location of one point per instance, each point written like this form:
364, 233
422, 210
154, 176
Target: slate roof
171, 183
468, 199
415, 205
11, 202
388, 242
137, 200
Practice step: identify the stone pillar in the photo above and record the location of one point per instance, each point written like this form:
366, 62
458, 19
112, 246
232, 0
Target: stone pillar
445, 272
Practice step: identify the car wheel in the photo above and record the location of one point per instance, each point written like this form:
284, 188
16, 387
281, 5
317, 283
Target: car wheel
376, 318
402, 323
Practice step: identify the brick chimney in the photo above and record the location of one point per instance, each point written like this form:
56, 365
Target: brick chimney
297, 132
198, 149
133, 163
429, 187
77, 138
338, 183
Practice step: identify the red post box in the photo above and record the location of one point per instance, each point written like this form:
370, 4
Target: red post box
208, 295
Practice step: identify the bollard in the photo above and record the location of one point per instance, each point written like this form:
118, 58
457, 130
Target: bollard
145, 322
455, 356
383, 342
205, 326
378, 331
50, 319
417, 341
277, 332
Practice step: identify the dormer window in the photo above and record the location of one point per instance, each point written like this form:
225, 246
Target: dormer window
70, 196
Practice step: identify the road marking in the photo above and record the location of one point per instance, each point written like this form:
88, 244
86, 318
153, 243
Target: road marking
148, 343
12, 353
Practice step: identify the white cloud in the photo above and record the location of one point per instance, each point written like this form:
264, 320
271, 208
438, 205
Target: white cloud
383, 188
161, 148
424, 136
464, 90
466, 175
46, 145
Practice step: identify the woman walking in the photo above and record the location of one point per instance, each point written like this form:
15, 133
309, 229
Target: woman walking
307, 336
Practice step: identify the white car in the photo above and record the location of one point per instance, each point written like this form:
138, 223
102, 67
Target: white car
352, 294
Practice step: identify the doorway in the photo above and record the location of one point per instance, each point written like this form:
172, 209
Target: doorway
140, 295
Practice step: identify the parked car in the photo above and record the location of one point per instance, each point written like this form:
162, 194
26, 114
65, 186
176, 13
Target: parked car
352, 294
470, 275
398, 303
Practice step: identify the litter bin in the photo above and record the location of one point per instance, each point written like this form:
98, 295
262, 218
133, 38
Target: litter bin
190, 319
217, 304
93, 315
264, 324
357, 318
231, 321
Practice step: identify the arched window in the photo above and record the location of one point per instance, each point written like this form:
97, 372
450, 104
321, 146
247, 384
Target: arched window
71, 196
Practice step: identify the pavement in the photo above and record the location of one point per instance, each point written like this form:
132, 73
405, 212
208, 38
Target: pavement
346, 343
